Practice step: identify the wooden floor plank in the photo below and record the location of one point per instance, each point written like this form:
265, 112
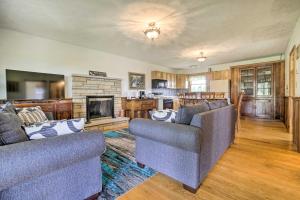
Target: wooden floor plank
260, 165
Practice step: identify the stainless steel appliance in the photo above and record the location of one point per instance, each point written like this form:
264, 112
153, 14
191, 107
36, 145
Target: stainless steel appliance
168, 103
159, 83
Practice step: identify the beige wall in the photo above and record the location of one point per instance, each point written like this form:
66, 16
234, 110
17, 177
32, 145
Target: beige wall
26, 52
225, 66
295, 40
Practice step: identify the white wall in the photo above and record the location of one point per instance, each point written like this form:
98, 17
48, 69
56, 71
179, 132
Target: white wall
295, 40
26, 52
228, 65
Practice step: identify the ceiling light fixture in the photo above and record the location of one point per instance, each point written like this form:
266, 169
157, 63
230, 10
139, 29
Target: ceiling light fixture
201, 58
152, 32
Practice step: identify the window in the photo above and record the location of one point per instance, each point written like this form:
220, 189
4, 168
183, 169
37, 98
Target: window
198, 83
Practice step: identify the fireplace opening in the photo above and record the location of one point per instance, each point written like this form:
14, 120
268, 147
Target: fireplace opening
98, 107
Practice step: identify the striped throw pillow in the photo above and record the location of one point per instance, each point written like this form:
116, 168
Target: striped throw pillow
31, 115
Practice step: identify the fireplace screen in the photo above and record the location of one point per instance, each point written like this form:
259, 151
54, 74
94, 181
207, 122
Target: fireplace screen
99, 107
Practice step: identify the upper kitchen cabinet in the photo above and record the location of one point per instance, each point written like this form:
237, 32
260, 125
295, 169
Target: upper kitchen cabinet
171, 81
263, 85
159, 75
220, 75
181, 81
169, 77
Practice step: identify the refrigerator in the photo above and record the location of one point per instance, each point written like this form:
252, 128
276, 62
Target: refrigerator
220, 86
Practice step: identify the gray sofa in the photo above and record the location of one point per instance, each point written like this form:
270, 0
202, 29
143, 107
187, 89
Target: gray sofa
185, 152
63, 167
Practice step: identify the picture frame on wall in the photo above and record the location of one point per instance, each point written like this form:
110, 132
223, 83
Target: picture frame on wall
136, 81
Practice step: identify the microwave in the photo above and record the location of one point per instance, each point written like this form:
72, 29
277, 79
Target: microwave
159, 83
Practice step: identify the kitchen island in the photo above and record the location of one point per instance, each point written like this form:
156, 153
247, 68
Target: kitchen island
138, 108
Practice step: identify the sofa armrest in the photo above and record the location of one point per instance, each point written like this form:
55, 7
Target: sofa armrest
22, 161
178, 135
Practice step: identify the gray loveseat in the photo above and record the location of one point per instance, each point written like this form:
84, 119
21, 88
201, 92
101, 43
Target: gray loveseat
64, 167
185, 152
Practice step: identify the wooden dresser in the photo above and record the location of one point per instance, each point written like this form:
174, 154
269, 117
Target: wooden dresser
61, 109
138, 108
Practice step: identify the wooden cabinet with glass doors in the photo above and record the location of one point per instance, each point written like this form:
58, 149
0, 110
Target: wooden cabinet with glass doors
263, 85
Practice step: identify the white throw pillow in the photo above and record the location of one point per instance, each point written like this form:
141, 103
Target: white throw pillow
54, 128
163, 115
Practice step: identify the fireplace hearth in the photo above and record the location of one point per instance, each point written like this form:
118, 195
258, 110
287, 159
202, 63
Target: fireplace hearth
98, 107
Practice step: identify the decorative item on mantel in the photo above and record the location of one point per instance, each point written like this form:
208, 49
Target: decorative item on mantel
136, 81
96, 73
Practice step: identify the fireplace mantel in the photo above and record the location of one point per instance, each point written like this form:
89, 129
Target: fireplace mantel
95, 77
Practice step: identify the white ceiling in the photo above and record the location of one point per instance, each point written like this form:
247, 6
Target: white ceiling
225, 30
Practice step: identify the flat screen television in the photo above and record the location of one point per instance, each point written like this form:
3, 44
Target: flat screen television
32, 85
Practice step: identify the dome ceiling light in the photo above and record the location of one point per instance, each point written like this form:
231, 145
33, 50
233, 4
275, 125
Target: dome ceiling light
152, 31
201, 58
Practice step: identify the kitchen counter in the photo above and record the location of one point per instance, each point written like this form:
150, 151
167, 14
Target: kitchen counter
138, 108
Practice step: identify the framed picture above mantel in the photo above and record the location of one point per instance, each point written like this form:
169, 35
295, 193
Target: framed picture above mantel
136, 81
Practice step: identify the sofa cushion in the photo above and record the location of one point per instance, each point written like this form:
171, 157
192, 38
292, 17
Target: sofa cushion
186, 113
54, 128
176, 135
23, 162
11, 130
31, 115
163, 115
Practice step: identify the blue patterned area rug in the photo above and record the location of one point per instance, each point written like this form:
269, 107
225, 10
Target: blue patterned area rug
120, 172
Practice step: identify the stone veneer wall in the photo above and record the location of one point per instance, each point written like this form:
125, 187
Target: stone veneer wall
83, 86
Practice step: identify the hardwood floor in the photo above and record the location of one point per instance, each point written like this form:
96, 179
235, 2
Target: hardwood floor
260, 165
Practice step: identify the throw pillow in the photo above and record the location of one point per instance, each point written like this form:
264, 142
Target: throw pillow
11, 130
185, 113
163, 115
54, 128
31, 115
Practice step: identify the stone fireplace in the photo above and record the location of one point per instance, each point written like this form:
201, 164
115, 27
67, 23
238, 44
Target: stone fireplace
98, 107
96, 93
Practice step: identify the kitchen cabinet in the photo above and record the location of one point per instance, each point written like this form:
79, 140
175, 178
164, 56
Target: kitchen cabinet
220, 75
248, 107
181, 81
170, 77
264, 108
175, 81
263, 85
138, 108
159, 75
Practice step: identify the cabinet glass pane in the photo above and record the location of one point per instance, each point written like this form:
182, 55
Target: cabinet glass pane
264, 81
247, 81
